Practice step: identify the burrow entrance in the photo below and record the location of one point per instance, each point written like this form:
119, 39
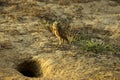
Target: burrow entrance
30, 68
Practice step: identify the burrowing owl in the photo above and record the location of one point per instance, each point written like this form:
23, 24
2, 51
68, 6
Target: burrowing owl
59, 33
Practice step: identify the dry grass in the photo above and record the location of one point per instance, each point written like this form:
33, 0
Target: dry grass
66, 2
93, 52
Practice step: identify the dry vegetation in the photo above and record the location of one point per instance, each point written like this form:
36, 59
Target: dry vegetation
29, 50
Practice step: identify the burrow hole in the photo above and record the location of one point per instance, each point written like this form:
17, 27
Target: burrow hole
30, 68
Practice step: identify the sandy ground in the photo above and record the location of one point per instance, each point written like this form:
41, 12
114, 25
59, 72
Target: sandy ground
29, 51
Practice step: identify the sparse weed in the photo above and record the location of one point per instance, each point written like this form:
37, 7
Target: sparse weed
93, 45
96, 46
